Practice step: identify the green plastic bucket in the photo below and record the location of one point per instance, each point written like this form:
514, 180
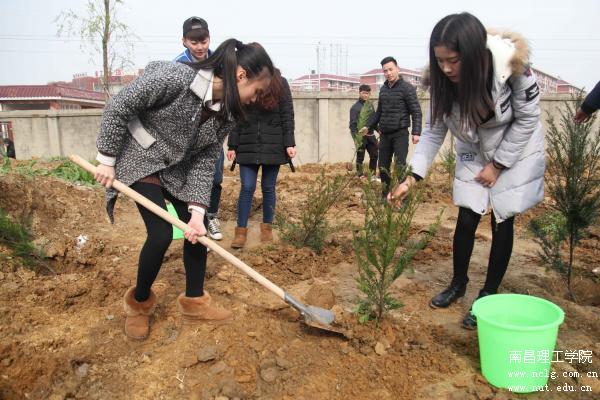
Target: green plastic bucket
517, 335
177, 233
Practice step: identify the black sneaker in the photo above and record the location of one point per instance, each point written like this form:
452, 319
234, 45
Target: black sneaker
448, 296
214, 228
470, 321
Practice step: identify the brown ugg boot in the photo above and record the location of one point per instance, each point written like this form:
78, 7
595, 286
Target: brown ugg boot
137, 321
266, 232
239, 240
199, 308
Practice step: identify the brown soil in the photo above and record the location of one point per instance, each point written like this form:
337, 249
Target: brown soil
62, 335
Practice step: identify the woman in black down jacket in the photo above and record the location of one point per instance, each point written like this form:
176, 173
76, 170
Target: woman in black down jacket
265, 139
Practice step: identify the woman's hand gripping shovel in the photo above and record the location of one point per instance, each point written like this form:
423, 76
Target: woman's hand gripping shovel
314, 316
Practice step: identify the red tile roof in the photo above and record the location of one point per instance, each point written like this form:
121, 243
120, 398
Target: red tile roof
33, 92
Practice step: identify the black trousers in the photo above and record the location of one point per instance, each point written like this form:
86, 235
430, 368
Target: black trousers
160, 235
369, 143
464, 240
392, 144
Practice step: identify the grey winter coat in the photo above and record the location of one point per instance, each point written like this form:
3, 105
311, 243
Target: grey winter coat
513, 138
154, 126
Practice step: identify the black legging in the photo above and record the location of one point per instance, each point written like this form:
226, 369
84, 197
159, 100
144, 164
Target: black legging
160, 234
464, 239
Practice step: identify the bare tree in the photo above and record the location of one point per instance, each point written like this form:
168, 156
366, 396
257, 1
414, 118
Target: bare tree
101, 28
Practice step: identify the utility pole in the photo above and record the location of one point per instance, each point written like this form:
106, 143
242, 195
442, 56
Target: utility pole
318, 68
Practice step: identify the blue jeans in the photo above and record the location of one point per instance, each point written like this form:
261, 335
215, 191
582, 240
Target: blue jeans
215, 193
248, 175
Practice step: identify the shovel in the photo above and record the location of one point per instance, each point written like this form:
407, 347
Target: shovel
314, 316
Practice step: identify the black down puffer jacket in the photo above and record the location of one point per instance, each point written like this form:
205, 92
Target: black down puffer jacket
396, 106
265, 135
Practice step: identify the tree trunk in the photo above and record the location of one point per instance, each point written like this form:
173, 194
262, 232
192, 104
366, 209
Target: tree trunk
105, 40
570, 266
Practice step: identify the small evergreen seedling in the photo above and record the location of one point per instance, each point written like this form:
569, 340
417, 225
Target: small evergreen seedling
383, 248
573, 176
313, 228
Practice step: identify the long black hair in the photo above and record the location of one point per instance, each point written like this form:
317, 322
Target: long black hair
466, 35
224, 61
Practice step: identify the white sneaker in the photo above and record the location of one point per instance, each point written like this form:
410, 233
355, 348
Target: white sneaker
214, 228
375, 179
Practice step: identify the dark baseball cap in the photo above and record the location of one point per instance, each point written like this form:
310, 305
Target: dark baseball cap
194, 23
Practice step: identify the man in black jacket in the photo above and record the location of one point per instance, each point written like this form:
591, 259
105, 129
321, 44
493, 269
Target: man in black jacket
398, 105
369, 141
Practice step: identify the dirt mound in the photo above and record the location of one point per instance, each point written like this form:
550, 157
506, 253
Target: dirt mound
320, 296
63, 334
286, 264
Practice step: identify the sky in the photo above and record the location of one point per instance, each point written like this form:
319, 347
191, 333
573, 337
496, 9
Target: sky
350, 36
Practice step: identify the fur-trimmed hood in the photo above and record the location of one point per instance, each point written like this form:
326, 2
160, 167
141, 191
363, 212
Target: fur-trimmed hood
510, 51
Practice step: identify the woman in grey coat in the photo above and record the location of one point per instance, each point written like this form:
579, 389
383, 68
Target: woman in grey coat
484, 92
162, 135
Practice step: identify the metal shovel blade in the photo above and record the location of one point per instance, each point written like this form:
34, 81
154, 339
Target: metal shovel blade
314, 316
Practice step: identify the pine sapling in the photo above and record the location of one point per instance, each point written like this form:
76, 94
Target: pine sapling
550, 233
573, 176
313, 228
18, 237
383, 248
448, 160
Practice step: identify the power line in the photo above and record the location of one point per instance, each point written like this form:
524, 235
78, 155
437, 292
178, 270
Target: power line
170, 39
317, 38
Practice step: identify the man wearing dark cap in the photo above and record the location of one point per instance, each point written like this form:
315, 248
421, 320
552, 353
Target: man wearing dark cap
369, 140
196, 40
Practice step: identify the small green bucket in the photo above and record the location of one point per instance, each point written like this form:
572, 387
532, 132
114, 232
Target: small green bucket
517, 335
177, 233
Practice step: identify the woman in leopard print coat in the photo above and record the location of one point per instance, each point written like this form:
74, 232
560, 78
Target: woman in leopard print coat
161, 135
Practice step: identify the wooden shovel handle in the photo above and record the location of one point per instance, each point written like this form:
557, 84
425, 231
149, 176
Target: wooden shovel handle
164, 214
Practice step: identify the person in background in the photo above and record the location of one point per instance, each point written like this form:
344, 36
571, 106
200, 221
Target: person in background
196, 40
265, 140
10, 148
397, 107
369, 140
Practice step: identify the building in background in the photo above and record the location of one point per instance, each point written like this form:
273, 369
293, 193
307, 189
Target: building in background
552, 84
564, 87
325, 83
80, 93
94, 83
547, 83
337, 83
48, 97
375, 78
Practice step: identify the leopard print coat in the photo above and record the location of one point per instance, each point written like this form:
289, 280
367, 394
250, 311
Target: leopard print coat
153, 126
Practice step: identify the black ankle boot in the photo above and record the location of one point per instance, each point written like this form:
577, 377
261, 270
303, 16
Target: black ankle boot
448, 296
470, 321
